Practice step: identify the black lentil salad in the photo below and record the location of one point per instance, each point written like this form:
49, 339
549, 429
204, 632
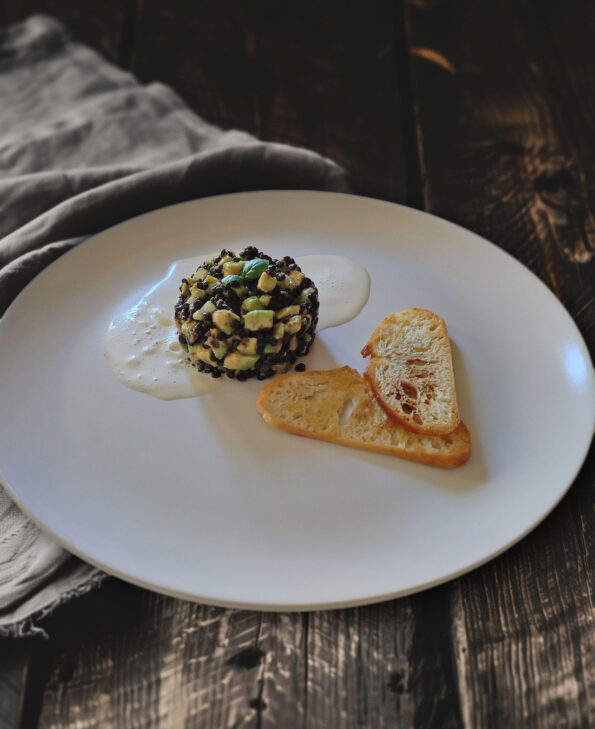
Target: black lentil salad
246, 315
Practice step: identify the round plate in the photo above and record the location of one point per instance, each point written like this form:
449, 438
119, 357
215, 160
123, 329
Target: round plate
201, 499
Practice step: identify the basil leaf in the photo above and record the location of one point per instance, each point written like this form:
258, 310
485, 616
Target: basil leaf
254, 268
232, 280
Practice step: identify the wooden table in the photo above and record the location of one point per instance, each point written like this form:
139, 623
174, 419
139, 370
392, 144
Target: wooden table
482, 113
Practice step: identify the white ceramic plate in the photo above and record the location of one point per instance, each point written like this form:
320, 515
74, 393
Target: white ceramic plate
201, 499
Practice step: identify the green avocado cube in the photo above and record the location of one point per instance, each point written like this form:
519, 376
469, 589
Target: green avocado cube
207, 308
266, 282
220, 351
185, 327
203, 354
296, 277
224, 319
218, 347
259, 319
307, 294
252, 303
287, 311
196, 293
237, 361
273, 348
247, 345
293, 325
233, 268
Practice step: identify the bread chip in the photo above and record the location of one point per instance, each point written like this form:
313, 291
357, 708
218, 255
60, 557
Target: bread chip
339, 406
411, 371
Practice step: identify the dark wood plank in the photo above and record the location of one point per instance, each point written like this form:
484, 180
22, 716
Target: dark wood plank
524, 627
498, 155
508, 645
14, 659
180, 664
317, 74
504, 96
174, 662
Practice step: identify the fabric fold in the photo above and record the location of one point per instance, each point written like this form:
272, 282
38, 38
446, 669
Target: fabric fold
83, 147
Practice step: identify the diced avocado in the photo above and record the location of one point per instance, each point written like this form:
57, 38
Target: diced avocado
248, 345
296, 277
266, 282
204, 354
233, 268
218, 346
265, 299
293, 343
224, 319
307, 338
283, 283
185, 327
196, 293
251, 304
200, 274
211, 281
281, 367
259, 319
279, 330
207, 308
237, 361
293, 325
307, 294
221, 350
287, 311
212, 338
273, 348
225, 259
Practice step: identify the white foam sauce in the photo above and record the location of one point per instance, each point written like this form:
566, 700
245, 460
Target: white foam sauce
141, 343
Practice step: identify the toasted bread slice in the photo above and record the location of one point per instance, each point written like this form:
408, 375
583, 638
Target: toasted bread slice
339, 406
411, 371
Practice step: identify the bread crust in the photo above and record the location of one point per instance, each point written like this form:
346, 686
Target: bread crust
411, 372
299, 402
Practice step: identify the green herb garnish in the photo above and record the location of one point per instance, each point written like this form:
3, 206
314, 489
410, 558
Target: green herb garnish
254, 268
232, 280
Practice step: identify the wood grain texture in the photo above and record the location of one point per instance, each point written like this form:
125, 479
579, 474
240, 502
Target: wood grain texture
14, 659
502, 111
524, 626
174, 664
499, 153
505, 154
316, 74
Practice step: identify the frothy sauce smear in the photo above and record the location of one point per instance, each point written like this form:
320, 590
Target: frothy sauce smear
141, 343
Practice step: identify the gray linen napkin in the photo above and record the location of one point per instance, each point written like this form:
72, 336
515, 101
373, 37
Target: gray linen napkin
84, 146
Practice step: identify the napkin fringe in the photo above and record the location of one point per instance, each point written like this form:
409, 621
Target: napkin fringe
27, 627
